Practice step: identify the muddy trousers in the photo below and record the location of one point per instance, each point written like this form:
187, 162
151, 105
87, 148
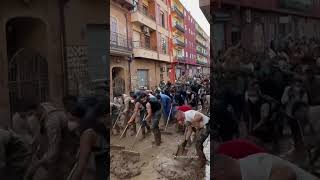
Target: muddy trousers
144, 126
202, 135
155, 127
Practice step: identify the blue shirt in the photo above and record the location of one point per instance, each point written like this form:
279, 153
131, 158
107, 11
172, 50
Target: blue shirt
166, 104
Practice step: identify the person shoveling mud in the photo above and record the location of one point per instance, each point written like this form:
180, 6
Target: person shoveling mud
197, 122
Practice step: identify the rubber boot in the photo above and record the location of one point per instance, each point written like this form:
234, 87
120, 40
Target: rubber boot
143, 130
148, 130
117, 129
201, 156
133, 130
157, 137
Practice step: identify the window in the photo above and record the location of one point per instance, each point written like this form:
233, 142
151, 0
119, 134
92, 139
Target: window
163, 45
186, 54
147, 41
179, 52
163, 21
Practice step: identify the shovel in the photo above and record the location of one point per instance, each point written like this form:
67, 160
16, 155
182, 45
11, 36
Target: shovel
165, 129
125, 129
130, 152
115, 123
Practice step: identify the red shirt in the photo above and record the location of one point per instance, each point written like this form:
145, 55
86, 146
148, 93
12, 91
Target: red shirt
238, 149
184, 108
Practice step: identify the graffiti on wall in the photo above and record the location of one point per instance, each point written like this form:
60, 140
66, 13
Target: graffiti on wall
77, 62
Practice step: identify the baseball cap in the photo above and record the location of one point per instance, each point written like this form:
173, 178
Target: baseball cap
183, 108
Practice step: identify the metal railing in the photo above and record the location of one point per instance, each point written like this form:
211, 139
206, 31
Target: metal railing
201, 62
201, 43
178, 42
144, 45
179, 27
119, 41
176, 9
200, 33
180, 58
201, 53
144, 11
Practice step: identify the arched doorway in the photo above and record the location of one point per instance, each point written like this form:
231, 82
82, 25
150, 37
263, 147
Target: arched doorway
118, 81
27, 64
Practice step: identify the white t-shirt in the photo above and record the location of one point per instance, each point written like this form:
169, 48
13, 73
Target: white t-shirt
258, 166
190, 115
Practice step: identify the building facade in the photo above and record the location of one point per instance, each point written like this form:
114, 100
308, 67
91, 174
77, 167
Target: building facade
45, 46
190, 48
120, 46
177, 25
186, 60
150, 40
258, 23
202, 48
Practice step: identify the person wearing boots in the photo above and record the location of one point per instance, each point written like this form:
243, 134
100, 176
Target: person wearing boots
140, 111
198, 122
128, 110
153, 117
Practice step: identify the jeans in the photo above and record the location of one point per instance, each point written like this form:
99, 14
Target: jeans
156, 116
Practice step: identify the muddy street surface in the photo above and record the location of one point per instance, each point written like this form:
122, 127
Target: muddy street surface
154, 162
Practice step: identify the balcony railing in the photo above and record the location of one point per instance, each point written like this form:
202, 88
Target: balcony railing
179, 13
178, 42
126, 3
179, 27
144, 11
201, 33
201, 62
201, 43
180, 58
144, 45
119, 41
201, 53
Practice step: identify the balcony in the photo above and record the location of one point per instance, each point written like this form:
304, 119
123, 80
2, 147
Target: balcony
144, 50
201, 53
142, 16
201, 43
200, 33
128, 4
179, 13
180, 58
178, 42
119, 44
179, 27
201, 62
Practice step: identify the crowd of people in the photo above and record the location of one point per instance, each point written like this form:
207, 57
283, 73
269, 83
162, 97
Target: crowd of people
274, 95
48, 141
184, 104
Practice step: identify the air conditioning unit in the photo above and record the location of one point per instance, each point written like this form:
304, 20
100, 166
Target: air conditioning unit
146, 30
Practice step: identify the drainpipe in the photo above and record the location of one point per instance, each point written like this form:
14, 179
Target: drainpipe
130, 58
63, 45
